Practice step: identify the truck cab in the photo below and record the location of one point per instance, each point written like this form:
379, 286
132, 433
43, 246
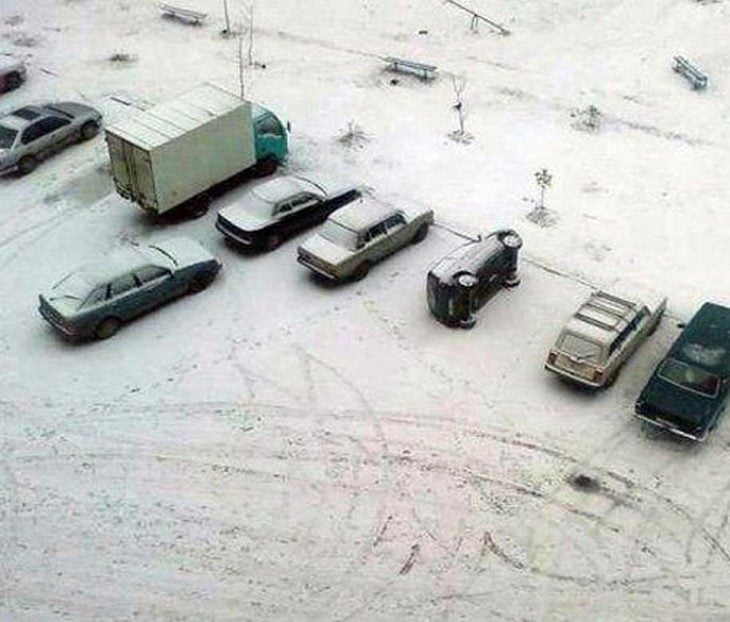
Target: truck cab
269, 134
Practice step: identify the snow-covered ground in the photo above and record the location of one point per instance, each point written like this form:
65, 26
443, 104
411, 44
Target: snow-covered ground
276, 449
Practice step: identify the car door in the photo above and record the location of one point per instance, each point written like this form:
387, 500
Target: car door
41, 137
156, 286
397, 231
123, 299
376, 241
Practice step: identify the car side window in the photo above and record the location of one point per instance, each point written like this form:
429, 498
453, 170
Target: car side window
284, 207
396, 220
96, 296
32, 132
301, 200
151, 273
375, 232
122, 285
626, 332
51, 124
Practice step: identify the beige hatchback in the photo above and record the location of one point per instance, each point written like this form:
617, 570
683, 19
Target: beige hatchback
600, 337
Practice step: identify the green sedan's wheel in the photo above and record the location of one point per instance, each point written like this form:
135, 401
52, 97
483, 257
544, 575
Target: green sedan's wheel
361, 272
89, 130
27, 165
108, 327
200, 281
420, 234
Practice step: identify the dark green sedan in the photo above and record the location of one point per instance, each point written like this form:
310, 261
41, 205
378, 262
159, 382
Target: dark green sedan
95, 300
688, 390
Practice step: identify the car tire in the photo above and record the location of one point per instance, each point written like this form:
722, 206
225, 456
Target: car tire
265, 167
108, 327
512, 280
361, 272
200, 281
199, 205
13, 81
27, 164
273, 242
421, 234
611, 379
89, 130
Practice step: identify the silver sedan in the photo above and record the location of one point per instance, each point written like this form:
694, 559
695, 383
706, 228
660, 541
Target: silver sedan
29, 134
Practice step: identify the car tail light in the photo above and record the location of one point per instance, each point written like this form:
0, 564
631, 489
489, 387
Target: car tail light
551, 358
598, 375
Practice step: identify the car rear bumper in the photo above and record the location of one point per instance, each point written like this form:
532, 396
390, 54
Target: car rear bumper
581, 380
71, 332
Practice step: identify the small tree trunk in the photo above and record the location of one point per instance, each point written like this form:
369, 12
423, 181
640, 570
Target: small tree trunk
227, 16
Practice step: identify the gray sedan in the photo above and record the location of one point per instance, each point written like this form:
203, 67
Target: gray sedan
95, 300
29, 134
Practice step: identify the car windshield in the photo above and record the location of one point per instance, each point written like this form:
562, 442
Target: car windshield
339, 235
74, 287
580, 348
689, 377
7, 137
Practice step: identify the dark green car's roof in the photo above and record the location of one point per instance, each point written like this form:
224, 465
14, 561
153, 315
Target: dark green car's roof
705, 341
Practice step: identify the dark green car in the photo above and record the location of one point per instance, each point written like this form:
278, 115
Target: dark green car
96, 299
688, 390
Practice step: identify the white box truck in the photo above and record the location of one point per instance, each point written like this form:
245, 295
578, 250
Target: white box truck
172, 154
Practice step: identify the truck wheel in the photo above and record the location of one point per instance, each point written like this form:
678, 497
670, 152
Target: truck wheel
13, 81
27, 165
108, 327
361, 272
200, 281
420, 234
265, 167
89, 130
273, 242
199, 205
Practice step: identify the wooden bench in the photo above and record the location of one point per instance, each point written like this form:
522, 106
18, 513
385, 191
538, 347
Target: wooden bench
427, 72
186, 15
696, 78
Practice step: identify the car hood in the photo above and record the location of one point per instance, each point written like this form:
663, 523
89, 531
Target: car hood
239, 215
687, 406
186, 252
325, 250
77, 110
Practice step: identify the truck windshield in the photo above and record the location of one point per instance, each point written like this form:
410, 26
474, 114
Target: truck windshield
7, 137
339, 235
689, 377
580, 348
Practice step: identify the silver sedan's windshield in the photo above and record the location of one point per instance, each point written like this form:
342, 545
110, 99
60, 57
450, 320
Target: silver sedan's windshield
337, 234
7, 137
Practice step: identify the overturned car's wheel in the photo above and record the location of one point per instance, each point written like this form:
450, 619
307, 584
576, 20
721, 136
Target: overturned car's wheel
108, 327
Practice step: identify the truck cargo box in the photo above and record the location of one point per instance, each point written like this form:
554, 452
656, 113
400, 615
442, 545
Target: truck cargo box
167, 154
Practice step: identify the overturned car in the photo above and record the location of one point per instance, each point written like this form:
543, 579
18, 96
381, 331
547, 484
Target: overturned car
463, 281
